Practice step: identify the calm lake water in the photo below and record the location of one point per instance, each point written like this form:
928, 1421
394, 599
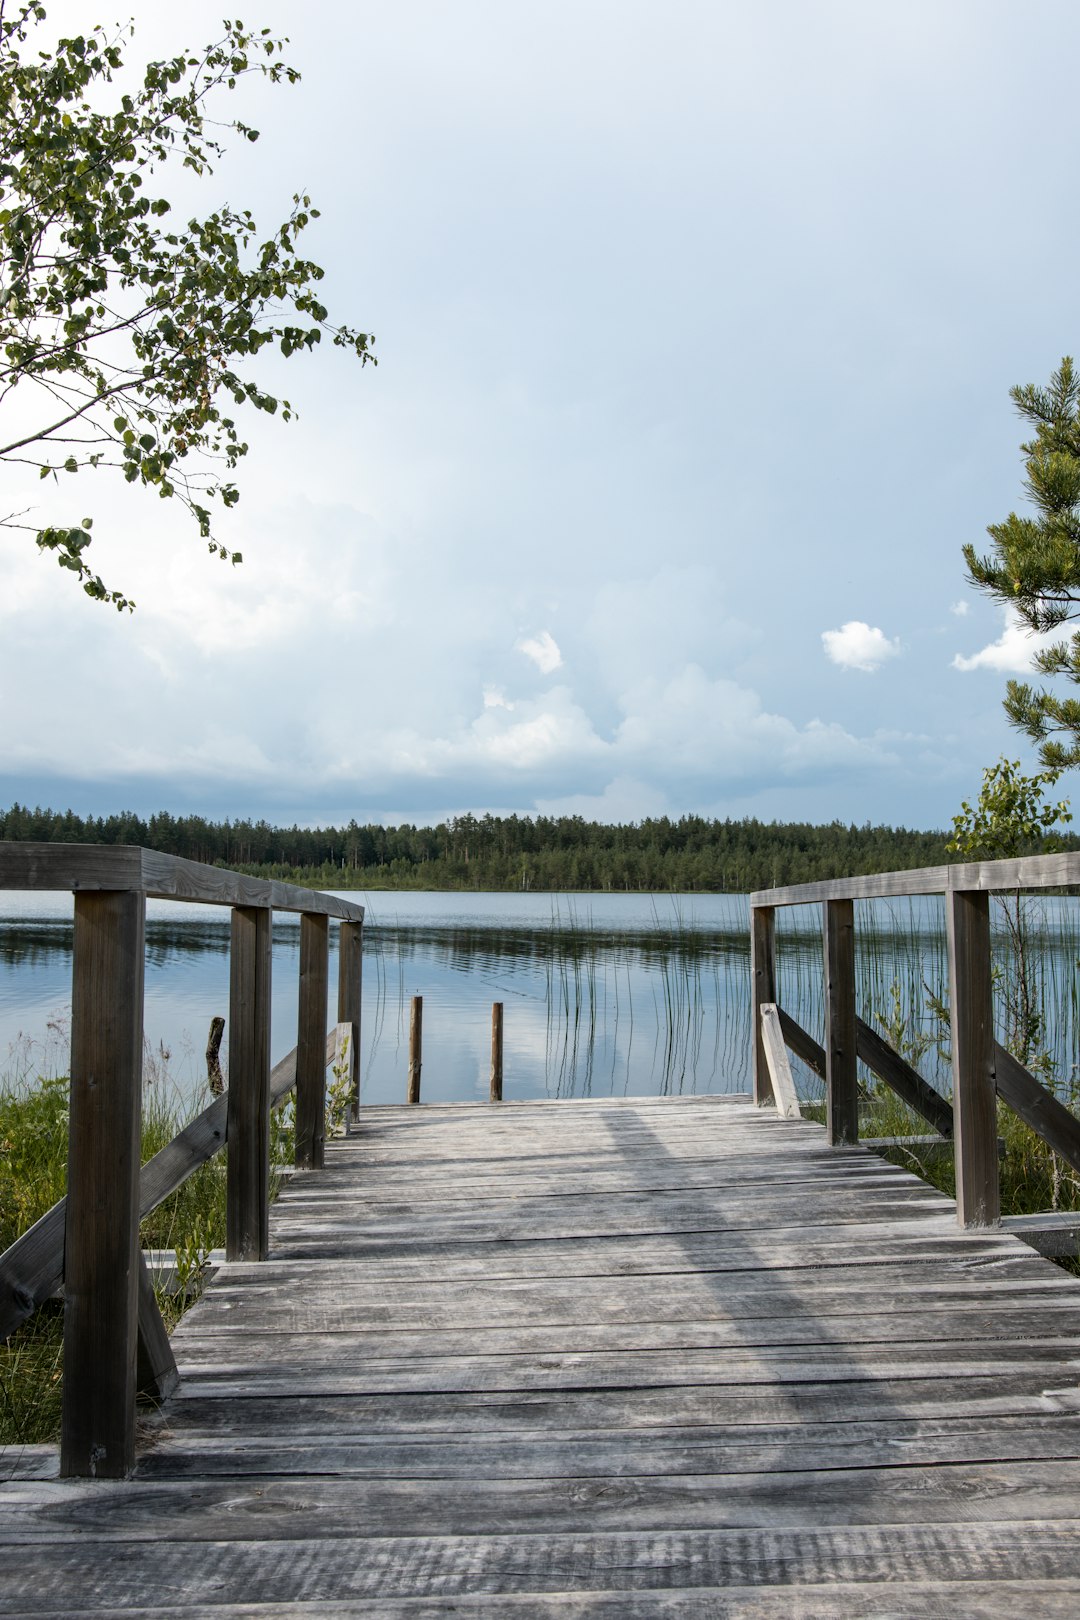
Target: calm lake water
631, 995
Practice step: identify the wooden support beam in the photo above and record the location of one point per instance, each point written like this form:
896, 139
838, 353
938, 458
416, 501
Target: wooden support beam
978, 1191
1037, 1107
841, 1067
32, 1270
157, 1376
783, 1083
762, 991
802, 1044
101, 1265
350, 990
311, 1041
496, 1051
907, 1082
247, 1217
416, 1045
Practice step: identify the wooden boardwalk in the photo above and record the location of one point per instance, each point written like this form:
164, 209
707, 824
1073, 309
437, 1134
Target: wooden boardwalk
612, 1358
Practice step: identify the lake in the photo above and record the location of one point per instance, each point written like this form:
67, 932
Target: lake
604, 994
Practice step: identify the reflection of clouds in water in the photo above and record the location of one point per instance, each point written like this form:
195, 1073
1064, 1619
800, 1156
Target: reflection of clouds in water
603, 995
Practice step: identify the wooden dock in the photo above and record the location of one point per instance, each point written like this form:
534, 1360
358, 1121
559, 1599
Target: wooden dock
603, 1358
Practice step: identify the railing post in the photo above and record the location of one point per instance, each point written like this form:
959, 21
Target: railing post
841, 1068
762, 989
416, 1042
101, 1254
495, 1093
247, 1217
350, 989
978, 1188
311, 1041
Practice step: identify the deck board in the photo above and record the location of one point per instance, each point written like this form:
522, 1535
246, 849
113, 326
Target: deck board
605, 1358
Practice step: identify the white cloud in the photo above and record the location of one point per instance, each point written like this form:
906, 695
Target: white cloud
1012, 653
858, 646
543, 650
960, 610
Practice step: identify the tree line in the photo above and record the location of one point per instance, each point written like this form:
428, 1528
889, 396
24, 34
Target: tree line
689, 854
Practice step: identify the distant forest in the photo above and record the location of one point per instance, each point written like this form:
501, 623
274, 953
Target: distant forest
511, 852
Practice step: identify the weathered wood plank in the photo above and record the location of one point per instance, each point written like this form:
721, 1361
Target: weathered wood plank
762, 992
156, 1374
248, 1096
906, 1081
1038, 1107
1028, 872
51, 1517
87, 867
416, 1039
495, 1089
352, 1568
101, 1227
862, 1600
841, 1068
978, 1192
781, 1079
314, 987
802, 1044
642, 1455
349, 1000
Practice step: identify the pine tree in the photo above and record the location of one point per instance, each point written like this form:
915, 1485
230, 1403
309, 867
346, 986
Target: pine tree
1035, 563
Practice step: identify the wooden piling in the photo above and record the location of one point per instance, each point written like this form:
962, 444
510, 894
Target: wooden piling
311, 1042
247, 1215
350, 988
978, 1188
416, 1035
496, 1051
101, 1249
841, 1068
762, 991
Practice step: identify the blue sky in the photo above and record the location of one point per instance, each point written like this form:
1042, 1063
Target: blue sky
696, 325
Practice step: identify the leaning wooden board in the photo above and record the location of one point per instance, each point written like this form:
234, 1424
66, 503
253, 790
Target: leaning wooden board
607, 1359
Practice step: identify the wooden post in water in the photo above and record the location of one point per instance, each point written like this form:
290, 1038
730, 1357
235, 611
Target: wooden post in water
214, 1077
496, 1051
978, 1188
247, 1214
762, 990
101, 1247
311, 1041
841, 1071
350, 987
416, 1038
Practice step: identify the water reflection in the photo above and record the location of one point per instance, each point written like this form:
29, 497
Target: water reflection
626, 995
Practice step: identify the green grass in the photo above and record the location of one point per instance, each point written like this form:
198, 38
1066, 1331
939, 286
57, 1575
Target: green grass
33, 1175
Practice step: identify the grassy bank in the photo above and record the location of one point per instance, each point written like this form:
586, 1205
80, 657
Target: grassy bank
33, 1175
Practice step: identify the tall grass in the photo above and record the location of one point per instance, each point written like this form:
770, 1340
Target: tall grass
33, 1177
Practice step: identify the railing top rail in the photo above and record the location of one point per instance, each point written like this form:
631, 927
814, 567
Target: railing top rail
160, 877
1028, 872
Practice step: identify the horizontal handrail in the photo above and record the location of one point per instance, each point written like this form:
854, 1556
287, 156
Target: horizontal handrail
122, 867
1027, 872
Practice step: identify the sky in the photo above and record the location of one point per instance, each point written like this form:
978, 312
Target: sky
696, 325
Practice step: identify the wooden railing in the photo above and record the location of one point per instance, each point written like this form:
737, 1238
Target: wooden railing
115, 1344
982, 1070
